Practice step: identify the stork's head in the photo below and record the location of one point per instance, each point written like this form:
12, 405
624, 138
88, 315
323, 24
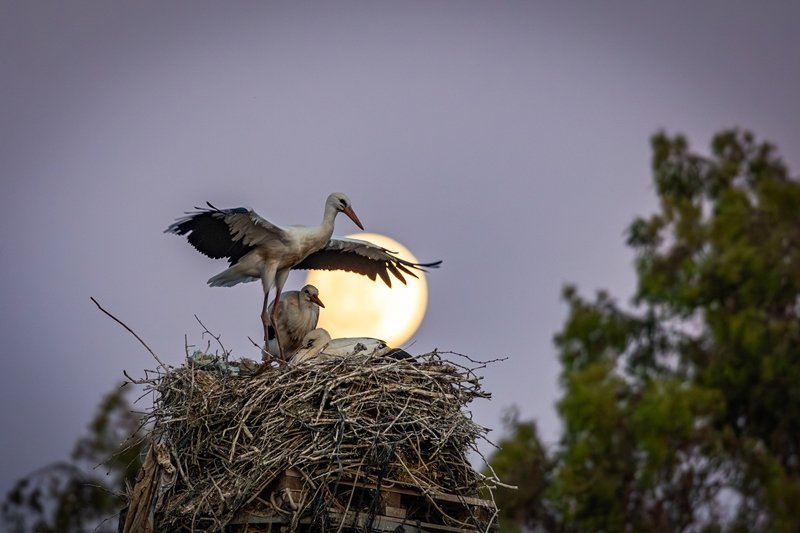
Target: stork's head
310, 293
316, 338
341, 202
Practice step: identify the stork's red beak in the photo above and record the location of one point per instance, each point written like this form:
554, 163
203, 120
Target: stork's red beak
352, 214
314, 298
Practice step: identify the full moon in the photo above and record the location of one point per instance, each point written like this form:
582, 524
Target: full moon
356, 306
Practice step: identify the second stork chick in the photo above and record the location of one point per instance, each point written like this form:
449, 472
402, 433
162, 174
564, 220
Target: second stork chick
318, 345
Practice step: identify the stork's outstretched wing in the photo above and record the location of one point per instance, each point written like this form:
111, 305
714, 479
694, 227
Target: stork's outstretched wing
364, 258
229, 233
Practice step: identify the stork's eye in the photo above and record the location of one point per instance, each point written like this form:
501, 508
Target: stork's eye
342, 204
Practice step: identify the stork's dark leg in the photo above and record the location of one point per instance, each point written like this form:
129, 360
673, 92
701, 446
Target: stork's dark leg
274, 318
267, 279
265, 322
280, 280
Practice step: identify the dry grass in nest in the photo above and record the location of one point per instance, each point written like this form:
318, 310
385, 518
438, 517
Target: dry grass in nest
359, 421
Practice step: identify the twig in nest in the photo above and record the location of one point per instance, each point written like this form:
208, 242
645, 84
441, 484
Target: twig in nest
477, 361
266, 357
134, 381
215, 337
121, 323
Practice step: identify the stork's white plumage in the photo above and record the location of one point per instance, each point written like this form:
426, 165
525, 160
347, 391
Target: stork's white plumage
258, 249
297, 316
318, 345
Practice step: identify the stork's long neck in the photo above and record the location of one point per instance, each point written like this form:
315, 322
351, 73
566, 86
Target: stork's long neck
328, 219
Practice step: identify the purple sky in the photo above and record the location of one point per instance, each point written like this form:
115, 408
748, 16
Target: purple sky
509, 139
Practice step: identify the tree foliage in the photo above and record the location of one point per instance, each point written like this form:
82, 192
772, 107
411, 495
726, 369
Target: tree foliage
77, 495
524, 463
682, 411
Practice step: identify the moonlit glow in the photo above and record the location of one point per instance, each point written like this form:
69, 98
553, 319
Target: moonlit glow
356, 306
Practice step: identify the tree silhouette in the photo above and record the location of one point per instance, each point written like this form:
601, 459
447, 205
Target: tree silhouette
80, 494
682, 411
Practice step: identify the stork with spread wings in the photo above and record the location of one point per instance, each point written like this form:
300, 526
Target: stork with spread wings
257, 249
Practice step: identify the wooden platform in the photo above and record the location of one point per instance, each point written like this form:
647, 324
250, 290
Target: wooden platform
356, 506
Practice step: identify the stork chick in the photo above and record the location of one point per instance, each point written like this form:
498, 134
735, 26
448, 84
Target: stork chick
318, 345
298, 314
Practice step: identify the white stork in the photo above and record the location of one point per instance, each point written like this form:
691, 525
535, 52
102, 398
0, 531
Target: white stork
258, 249
318, 345
297, 316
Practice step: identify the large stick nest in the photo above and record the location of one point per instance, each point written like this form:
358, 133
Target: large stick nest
359, 420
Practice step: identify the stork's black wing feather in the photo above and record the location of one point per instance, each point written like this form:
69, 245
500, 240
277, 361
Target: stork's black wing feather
364, 258
398, 354
337, 260
210, 234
